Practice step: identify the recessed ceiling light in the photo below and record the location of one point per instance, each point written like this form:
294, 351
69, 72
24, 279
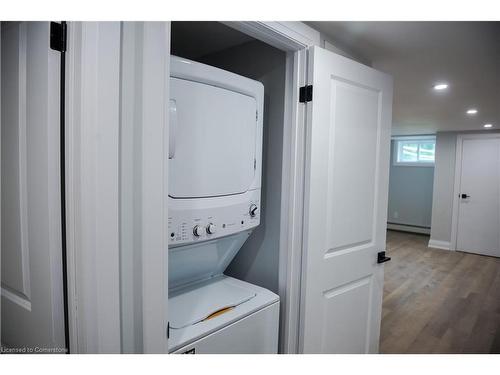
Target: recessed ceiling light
440, 86
487, 126
472, 111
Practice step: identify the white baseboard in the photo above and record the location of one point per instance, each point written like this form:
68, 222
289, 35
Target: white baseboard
444, 245
408, 228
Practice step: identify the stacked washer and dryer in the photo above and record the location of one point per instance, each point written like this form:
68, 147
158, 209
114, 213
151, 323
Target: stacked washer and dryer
215, 160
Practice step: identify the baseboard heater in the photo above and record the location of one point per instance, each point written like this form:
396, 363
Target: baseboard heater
409, 228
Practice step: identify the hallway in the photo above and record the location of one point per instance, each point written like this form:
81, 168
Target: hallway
438, 301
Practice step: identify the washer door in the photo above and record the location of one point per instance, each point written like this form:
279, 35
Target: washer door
212, 140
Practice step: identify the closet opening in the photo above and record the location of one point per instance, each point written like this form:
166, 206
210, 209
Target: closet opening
257, 259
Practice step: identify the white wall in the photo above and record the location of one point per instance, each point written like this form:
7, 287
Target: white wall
410, 194
258, 260
330, 46
444, 174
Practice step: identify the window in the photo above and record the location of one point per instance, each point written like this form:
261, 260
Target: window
414, 151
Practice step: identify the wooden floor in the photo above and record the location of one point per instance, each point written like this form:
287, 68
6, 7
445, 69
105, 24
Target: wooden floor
439, 301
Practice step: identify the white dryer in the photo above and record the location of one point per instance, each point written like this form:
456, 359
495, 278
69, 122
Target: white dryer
215, 158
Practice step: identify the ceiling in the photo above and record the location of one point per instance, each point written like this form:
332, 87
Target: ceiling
194, 39
466, 55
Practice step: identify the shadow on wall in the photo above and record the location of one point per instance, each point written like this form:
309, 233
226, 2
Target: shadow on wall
258, 260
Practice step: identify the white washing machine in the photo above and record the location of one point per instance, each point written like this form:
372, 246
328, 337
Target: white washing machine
215, 158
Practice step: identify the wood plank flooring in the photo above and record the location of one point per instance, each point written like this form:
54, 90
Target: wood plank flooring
439, 301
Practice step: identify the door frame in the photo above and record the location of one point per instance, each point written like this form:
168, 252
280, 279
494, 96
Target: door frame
456, 184
92, 186
92, 183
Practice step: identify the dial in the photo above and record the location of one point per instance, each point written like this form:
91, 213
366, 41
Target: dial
211, 228
253, 210
198, 230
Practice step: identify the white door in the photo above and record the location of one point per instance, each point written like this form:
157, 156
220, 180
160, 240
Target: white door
347, 174
32, 289
479, 196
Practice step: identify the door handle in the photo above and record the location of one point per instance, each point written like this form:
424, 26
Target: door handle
464, 196
381, 258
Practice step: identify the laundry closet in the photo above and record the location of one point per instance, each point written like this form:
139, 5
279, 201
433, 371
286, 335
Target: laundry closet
227, 111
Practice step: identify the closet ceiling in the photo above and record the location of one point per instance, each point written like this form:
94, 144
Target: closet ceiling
216, 37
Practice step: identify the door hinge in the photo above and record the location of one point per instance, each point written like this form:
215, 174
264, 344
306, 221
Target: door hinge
58, 36
306, 94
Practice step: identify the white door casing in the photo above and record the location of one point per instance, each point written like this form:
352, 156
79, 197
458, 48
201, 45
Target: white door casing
477, 216
32, 287
345, 201
92, 189
117, 80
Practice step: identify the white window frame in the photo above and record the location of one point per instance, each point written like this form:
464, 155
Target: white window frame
416, 138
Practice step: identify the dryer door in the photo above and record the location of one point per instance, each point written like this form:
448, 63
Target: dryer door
212, 140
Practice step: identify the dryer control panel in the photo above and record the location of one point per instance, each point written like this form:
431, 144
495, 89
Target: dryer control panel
212, 218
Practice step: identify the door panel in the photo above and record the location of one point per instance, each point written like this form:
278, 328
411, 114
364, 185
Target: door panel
350, 219
479, 212
31, 285
341, 321
347, 167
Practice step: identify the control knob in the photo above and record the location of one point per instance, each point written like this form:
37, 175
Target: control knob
211, 229
253, 210
198, 230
